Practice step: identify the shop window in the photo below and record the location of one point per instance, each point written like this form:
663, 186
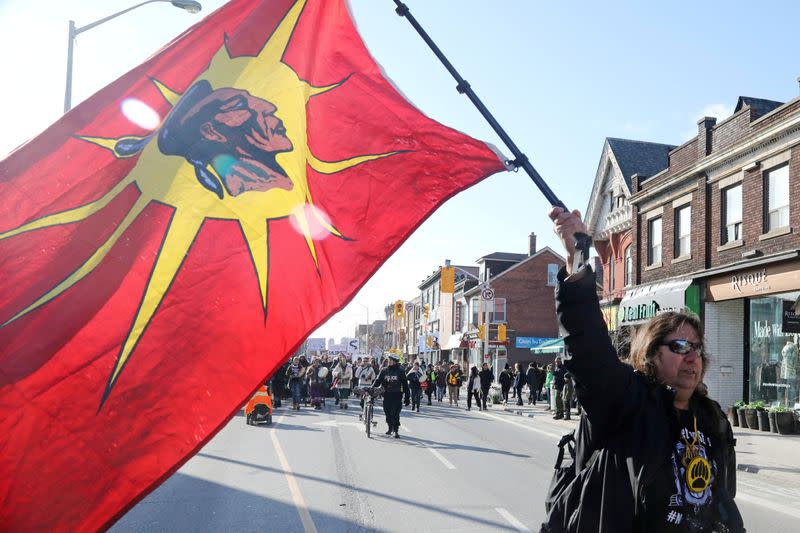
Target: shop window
473, 303
683, 231
776, 187
773, 352
654, 241
732, 214
552, 274
628, 266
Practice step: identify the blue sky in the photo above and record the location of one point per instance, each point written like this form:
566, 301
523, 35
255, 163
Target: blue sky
559, 77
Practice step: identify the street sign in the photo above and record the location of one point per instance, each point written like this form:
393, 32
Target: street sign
487, 294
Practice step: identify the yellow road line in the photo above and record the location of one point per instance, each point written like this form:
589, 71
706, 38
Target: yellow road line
294, 488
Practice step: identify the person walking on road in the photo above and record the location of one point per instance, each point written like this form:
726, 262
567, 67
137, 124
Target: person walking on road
558, 389
295, 374
431, 381
519, 382
487, 377
506, 379
415, 385
315, 378
532, 378
473, 388
454, 379
548, 384
365, 377
663, 456
278, 384
441, 382
395, 387
343, 377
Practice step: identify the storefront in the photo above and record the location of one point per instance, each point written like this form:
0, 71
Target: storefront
769, 328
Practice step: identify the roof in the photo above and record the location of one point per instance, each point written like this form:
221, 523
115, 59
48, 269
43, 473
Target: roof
502, 256
639, 157
760, 106
547, 249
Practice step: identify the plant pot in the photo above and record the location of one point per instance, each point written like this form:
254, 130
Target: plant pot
751, 415
773, 427
785, 422
763, 420
742, 418
733, 415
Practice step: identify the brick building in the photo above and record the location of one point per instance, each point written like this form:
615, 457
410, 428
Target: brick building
717, 231
609, 217
523, 287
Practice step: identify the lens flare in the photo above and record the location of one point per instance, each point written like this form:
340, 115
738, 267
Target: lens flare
318, 223
140, 113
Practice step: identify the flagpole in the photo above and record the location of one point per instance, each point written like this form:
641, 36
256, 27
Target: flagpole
521, 160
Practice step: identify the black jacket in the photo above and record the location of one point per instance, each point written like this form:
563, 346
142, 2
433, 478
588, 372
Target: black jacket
558, 377
506, 378
628, 416
532, 378
487, 376
393, 380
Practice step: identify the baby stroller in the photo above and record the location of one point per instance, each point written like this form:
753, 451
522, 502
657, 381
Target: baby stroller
259, 409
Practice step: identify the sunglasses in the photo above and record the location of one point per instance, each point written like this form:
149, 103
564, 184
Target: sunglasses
683, 347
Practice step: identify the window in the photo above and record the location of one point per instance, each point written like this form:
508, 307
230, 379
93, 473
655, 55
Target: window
611, 280
620, 201
473, 303
732, 214
628, 266
777, 198
654, 240
552, 274
683, 231
498, 314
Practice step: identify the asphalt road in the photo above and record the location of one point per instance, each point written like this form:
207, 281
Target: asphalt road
451, 471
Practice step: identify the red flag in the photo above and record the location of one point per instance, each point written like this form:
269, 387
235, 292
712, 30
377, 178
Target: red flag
152, 275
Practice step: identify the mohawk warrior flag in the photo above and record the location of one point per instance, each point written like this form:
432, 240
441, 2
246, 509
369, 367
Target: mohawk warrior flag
152, 276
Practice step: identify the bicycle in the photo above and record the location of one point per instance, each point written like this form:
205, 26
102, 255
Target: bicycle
369, 394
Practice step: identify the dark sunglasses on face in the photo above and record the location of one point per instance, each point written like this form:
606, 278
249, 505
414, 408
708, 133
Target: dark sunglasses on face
683, 347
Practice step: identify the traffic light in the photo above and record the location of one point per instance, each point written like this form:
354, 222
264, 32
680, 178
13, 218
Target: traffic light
501, 332
427, 311
482, 331
398, 308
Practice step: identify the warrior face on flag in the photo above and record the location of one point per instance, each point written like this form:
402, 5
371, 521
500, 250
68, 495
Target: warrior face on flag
235, 132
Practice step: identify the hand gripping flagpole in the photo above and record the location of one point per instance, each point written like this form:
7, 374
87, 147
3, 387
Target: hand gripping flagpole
583, 241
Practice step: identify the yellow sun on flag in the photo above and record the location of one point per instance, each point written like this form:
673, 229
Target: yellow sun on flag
232, 147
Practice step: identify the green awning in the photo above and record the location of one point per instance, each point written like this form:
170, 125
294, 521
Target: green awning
553, 346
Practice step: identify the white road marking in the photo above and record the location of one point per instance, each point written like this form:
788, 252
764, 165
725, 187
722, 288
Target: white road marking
441, 457
294, 488
511, 519
523, 426
769, 504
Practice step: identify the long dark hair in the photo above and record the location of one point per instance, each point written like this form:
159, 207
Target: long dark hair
473, 371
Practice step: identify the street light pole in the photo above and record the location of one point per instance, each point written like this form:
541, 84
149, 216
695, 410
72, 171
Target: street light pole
369, 326
190, 6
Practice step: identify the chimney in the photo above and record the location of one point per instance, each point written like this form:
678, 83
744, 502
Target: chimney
704, 132
447, 263
531, 244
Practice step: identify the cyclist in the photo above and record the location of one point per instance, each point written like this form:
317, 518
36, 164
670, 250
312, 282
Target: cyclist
365, 376
395, 385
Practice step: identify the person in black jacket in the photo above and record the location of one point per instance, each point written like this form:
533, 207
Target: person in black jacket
506, 379
558, 384
393, 380
659, 453
487, 377
519, 382
532, 379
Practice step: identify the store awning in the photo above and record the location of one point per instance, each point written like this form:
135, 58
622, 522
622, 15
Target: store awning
552, 346
454, 342
642, 303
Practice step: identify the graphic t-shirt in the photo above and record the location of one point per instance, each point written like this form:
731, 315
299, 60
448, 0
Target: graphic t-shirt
681, 497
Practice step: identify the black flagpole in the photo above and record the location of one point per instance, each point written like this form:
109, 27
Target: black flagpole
521, 160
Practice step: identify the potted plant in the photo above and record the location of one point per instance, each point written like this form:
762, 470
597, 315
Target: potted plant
751, 415
742, 419
773, 428
784, 420
763, 417
733, 412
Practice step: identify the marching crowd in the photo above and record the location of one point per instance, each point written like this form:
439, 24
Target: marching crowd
323, 377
